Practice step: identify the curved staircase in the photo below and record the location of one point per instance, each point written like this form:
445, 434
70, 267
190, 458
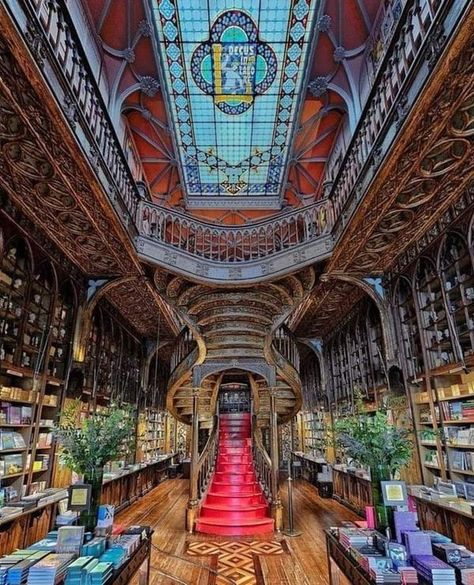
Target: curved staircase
235, 504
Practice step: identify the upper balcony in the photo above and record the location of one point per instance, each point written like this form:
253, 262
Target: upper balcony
241, 254
418, 33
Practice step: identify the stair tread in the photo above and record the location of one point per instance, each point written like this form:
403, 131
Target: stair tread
238, 495
232, 508
234, 522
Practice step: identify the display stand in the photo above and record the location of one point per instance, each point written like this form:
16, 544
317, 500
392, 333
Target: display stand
343, 569
136, 570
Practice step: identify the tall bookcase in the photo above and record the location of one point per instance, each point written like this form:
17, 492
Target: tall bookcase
434, 316
153, 435
37, 313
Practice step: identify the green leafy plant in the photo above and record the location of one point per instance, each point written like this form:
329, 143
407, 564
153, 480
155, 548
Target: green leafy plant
373, 440
88, 444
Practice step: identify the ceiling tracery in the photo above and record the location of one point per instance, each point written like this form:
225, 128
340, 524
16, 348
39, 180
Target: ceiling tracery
331, 96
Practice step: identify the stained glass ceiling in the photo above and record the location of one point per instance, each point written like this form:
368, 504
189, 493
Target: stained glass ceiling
233, 72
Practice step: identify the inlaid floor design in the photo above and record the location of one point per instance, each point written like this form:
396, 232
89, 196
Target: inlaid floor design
237, 561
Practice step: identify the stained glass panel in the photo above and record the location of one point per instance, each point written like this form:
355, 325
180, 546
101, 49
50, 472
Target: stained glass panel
233, 71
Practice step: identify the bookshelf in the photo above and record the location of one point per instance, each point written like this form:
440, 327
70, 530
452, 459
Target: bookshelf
314, 433
152, 435
36, 320
354, 355
433, 300
433, 318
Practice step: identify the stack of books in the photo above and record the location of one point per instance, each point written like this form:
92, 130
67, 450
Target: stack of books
18, 573
408, 575
100, 573
95, 547
385, 576
114, 555
50, 569
355, 537
9, 561
77, 571
47, 544
129, 542
434, 570
417, 543
404, 522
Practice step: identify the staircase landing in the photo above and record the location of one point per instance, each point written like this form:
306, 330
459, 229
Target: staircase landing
235, 504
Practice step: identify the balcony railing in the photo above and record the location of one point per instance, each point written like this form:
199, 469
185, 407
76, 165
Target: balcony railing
235, 244
51, 34
416, 25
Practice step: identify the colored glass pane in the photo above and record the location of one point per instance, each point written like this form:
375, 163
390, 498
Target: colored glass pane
234, 72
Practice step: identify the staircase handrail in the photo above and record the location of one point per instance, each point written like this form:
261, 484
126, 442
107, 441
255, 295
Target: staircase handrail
263, 464
183, 346
285, 342
207, 461
235, 244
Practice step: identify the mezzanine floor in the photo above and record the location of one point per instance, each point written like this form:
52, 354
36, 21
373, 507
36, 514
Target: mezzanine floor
226, 561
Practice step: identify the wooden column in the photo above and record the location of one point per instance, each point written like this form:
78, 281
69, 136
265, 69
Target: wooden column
277, 508
192, 507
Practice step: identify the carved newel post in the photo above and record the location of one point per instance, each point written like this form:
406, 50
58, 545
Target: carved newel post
277, 508
192, 508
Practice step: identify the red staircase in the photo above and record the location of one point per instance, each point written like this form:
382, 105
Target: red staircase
235, 504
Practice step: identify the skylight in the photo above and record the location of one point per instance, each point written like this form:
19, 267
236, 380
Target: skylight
233, 73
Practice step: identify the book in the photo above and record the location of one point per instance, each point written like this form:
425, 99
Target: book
404, 522
417, 543
70, 539
49, 569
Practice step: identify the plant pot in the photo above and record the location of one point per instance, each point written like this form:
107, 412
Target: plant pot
88, 518
383, 514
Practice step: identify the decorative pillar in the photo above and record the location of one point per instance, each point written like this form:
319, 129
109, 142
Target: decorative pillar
193, 503
277, 508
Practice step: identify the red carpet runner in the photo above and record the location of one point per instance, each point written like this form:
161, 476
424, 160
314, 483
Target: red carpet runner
235, 504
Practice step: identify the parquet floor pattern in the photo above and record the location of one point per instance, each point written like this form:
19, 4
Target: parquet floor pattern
237, 560
184, 559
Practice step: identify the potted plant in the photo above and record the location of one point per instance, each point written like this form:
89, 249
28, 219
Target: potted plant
88, 444
376, 443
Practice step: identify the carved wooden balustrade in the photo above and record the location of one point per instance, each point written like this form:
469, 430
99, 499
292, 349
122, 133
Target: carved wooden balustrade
234, 243
418, 35
285, 343
183, 346
206, 463
263, 464
52, 36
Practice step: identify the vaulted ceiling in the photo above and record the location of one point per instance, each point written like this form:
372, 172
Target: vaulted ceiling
128, 46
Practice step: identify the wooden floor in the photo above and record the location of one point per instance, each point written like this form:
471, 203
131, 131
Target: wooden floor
202, 560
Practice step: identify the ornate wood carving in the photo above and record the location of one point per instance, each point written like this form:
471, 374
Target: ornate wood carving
46, 175
430, 167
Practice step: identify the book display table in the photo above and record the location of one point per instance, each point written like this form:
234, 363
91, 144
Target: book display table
137, 569
361, 556
21, 527
73, 557
343, 569
124, 487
